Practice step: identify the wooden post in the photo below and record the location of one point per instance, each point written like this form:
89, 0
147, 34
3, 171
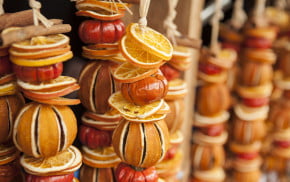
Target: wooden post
194, 31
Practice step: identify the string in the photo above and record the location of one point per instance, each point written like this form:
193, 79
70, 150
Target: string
37, 16
259, 12
143, 11
239, 15
171, 28
1, 7
215, 26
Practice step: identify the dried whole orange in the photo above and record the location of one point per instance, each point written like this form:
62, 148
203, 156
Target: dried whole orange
9, 107
97, 85
141, 144
90, 174
44, 130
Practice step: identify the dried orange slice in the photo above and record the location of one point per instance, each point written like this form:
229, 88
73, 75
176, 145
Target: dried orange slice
41, 43
52, 84
7, 78
131, 110
61, 101
8, 89
55, 163
91, 51
137, 55
100, 124
151, 40
152, 118
165, 109
128, 73
101, 14
9, 157
104, 45
181, 52
176, 84
110, 116
39, 54
7, 149
43, 61
97, 5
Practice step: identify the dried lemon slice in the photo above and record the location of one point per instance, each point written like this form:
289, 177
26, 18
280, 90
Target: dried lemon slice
131, 110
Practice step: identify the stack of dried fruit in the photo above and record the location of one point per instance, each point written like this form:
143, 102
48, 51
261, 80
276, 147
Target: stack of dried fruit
141, 139
177, 89
11, 102
45, 129
213, 101
101, 34
254, 90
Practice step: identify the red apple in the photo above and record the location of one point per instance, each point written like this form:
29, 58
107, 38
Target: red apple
260, 43
95, 31
169, 72
170, 153
255, 102
282, 144
94, 138
60, 178
5, 65
38, 74
248, 156
213, 130
209, 69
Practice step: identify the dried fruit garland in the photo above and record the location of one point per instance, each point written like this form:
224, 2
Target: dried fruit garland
212, 104
254, 89
101, 34
45, 129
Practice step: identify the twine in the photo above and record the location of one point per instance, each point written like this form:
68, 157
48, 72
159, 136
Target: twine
37, 16
239, 15
171, 28
214, 47
1, 7
143, 11
258, 13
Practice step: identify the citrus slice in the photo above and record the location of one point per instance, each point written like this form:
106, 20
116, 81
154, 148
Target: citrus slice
8, 89
7, 149
51, 94
55, 163
99, 124
176, 84
128, 73
137, 55
42, 43
119, 58
58, 82
181, 52
61, 101
152, 118
7, 78
39, 54
97, 5
42, 61
90, 50
9, 157
165, 109
101, 14
151, 40
110, 116
176, 94
131, 110
104, 45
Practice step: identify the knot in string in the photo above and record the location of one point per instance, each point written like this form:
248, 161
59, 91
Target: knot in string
143, 11
37, 16
169, 25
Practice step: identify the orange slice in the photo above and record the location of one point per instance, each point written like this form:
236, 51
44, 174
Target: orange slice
101, 15
61, 101
131, 110
104, 45
8, 89
152, 118
110, 116
55, 163
43, 61
91, 51
181, 52
128, 73
51, 94
99, 124
7, 149
97, 5
41, 43
137, 55
176, 84
52, 84
9, 157
151, 40
165, 109
39, 54
7, 78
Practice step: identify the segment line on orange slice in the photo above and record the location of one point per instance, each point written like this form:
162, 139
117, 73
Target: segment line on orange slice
128, 73
43, 61
59, 81
51, 94
61, 101
39, 54
131, 110
55, 163
101, 15
151, 40
42, 43
137, 55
